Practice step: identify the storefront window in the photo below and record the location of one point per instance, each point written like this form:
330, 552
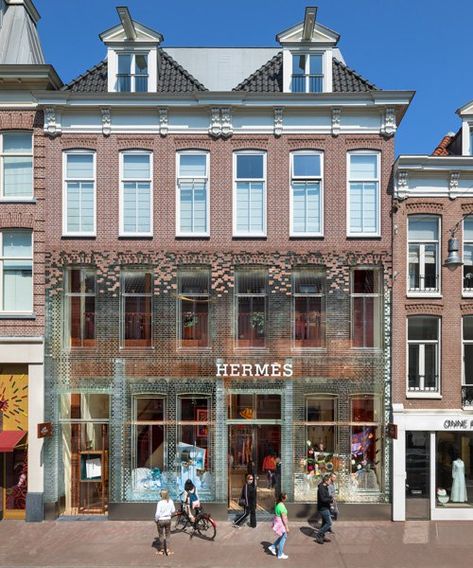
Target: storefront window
366, 443
254, 406
454, 471
193, 450
251, 308
193, 308
309, 308
321, 435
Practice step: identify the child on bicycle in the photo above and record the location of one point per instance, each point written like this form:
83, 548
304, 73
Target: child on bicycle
191, 499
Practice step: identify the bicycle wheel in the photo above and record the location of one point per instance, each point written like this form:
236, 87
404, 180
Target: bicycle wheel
178, 522
206, 527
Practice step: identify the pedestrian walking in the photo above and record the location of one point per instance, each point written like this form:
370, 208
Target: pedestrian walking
248, 502
280, 527
324, 502
277, 478
164, 511
332, 489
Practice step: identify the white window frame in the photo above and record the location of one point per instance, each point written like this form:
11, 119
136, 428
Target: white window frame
319, 179
412, 292
378, 326
205, 179
307, 74
16, 155
421, 392
250, 234
122, 232
376, 153
65, 181
132, 75
2, 259
317, 272
468, 293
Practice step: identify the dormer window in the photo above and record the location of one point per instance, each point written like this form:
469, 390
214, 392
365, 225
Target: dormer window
132, 76
307, 73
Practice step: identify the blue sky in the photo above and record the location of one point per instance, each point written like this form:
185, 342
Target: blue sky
421, 45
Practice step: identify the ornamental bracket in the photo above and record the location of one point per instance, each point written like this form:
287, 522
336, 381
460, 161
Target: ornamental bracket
52, 122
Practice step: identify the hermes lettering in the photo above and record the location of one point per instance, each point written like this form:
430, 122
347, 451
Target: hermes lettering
254, 370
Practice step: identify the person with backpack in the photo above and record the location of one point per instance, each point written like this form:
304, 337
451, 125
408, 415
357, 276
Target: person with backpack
164, 511
191, 499
324, 503
248, 502
280, 527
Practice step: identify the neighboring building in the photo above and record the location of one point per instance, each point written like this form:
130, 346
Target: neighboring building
433, 330
22, 213
218, 273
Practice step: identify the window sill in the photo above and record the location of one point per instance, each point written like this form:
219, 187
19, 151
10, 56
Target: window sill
18, 200
431, 395
136, 236
79, 236
244, 349
436, 295
467, 295
306, 236
183, 349
192, 235
250, 236
304, 350
362, 236
17, 315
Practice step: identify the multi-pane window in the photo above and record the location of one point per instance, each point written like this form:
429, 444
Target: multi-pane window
363, 194
366, 442
149, 457
136, 194
423, 236
132, 76
193, 307
192, 183
250, 194
423, 333
307, 73
16, 165
250, 308
136, 308
309, 308
306, 193
16, 271
468, 351
80, 307
468, 255
79, 193
321, 425
366, 307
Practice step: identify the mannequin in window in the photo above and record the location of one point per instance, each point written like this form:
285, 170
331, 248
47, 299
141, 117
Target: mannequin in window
458, 493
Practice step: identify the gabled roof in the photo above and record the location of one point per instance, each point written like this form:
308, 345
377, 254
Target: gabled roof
269, 79
450, 145
173, 78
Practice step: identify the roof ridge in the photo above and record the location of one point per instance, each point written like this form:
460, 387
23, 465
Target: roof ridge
84, 74
183, 71
356, 74
259, 70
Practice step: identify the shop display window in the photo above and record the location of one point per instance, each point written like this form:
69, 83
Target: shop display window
454, 469
251, 308
251, 406
309, 308
193, 308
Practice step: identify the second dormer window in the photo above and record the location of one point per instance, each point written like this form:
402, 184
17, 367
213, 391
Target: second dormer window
132, 76
307, 73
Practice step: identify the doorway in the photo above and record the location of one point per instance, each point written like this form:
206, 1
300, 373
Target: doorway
417, 475
15, 475
254, 443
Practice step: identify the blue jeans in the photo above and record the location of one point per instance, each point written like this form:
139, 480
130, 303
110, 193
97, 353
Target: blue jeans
279, 543
326, 522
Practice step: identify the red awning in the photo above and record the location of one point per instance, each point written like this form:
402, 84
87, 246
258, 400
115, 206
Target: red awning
9, 439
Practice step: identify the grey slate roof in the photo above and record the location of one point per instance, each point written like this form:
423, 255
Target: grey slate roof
19, 41
173, 78
268, 79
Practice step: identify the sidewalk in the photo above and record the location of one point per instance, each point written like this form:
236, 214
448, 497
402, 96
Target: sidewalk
100, 544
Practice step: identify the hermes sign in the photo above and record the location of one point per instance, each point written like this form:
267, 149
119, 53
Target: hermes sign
254, 370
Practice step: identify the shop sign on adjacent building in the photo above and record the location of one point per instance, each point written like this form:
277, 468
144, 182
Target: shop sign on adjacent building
459, 424
254, 370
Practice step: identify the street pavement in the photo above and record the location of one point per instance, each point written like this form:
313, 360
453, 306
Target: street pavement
117, 544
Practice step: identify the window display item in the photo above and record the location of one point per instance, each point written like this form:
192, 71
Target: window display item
458, 493
442, 496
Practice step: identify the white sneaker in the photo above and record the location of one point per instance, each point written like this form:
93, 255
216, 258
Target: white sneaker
283, 557
272, 550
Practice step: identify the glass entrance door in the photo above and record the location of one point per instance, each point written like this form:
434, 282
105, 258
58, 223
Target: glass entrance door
15, 486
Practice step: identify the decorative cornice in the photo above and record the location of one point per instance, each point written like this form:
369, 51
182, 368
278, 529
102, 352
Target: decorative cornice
221, 122
453, 184
402, 184
424, 308
106, 121
227, 126
278, 121
163, 121
336, 121
52, 121
389, 126
424, 207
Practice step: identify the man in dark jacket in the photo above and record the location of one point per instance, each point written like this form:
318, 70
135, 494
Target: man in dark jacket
324, 500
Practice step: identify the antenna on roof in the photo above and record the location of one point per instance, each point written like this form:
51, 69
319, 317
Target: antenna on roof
309, 22
127, 22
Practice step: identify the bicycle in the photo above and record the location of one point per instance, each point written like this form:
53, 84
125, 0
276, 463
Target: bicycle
203, 524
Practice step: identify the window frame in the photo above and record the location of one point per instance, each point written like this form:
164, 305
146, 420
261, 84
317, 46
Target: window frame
67, 308
319, 272
15, 199
412, 393
412, 292
332, 424
237, 296
377, 180
133, 54
122, 297
135, 423
179, 232
307, 75
65, 181
122, 181
467, 293
2, 260
295, 179
235, 180
180, 340
378, 270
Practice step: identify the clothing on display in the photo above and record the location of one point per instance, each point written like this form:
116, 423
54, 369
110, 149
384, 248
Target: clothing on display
458, 493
